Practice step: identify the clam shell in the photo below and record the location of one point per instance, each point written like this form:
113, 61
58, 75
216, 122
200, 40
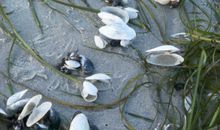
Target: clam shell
162, 2
108, 18
118, 32
79, 122
89, 91
72, 64
17, 106
124, 43
31, 104
99, 42
163, 48
15, 97
99, 77
165, 59
132, 13
116, 11
38, 113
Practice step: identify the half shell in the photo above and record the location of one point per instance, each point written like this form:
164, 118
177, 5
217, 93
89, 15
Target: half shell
100, 42
132, 13
17, 106
163, 48
15, 97
118, 32
79, 122
99, 77
72, 64
89, 91
162, 2
38, 113
165, 59
108, 18
116, 11
31, 104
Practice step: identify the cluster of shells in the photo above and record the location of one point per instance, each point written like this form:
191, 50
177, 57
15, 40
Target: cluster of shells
116, 32
29, 113
81, 64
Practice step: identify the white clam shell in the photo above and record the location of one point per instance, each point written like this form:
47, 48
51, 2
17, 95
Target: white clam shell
89, 91
99, 42
79, 122
125, 43
72, 64
116, 11
38, 113
165, 59
163, 48
162, 2
132, 13
18, 105
108, 18
99, 77
15, 97
31, 104
118, 32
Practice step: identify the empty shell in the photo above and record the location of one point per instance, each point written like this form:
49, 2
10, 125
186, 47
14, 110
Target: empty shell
79, 122
99, 77
89, 91
38, 113
132, 13
163, 48
99, 42
72, 64
108, 18
162, 2
31, 104
15, 97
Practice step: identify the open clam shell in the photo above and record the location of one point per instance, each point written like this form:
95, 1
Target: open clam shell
79, 122
117, 31
89, 91
100, 42
165, 59
108, 18
132, 13
99, 77
16, 97
31, 104
38, 113
116, 11
163, 48
162, 2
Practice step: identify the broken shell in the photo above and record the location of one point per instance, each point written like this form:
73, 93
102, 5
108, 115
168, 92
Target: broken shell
163, 48
163, 2
38, 113
125, 43
116, 11
89, 91
132, 13
86, 65
165, 59
72, 64
17, 106
99, 77
15, 97
79, 122
31, 104
99, 42
108, 18
117, 31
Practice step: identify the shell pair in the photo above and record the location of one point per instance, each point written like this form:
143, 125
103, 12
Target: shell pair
89, 91
164, 56
116, 28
